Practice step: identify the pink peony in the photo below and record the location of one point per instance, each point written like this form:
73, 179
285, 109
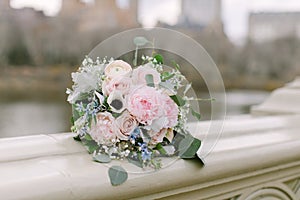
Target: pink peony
145, 104
170, 111
104, 131
139, 74
120, 83
126, 123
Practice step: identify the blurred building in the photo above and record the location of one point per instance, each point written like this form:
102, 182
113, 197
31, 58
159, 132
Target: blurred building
268, 26
28, 36
201, 13
100, 14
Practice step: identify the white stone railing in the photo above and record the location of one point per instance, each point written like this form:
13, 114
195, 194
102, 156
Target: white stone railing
284, 100
256, 158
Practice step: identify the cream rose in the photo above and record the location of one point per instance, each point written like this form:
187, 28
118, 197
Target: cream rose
117, 68
126, 123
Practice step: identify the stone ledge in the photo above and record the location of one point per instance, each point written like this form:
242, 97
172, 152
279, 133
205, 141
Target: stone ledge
281, 101
58, 167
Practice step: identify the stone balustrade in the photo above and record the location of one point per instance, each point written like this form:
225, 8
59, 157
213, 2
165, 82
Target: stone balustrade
255, 158
284, 100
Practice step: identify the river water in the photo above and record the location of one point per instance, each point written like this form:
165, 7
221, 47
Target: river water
19, 118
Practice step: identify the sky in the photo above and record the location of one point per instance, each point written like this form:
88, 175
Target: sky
234, 12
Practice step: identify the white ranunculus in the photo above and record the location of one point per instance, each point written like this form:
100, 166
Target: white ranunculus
117, 68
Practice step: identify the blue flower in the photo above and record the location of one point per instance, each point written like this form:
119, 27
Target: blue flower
80, 107
134, 134
93, 108
83, 131
146, 154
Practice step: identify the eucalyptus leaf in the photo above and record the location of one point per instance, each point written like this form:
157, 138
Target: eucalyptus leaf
169, 149
178, 100
75, 113
145, 136
188, 147
196, 114
200, 159
140, 41
168, 86
149, 80
117, 175
102, 158
176, 65
88, 137
136, 162
187, 87
177, 139
167, 75
89, 143
91, 146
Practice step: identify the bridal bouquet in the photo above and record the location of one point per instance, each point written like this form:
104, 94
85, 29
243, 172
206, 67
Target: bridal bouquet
121, 112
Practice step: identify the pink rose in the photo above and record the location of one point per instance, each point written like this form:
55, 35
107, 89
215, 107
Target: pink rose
120, 83
117, 68
157, 137
145, 104
170, 111
126, 123
139, 74
104, 131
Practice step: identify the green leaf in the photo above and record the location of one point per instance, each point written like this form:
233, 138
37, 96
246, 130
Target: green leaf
201, 161
168, 86
187, 87
178, 100
140, 41
88, 137
161, 149
117, 175
75, 113
77, 138
159, 58
89, 143
149, 80
166, 76
188, 147
176, 65
91, 146
177, 139
137, 162
72, 121
196, 114
102, 158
